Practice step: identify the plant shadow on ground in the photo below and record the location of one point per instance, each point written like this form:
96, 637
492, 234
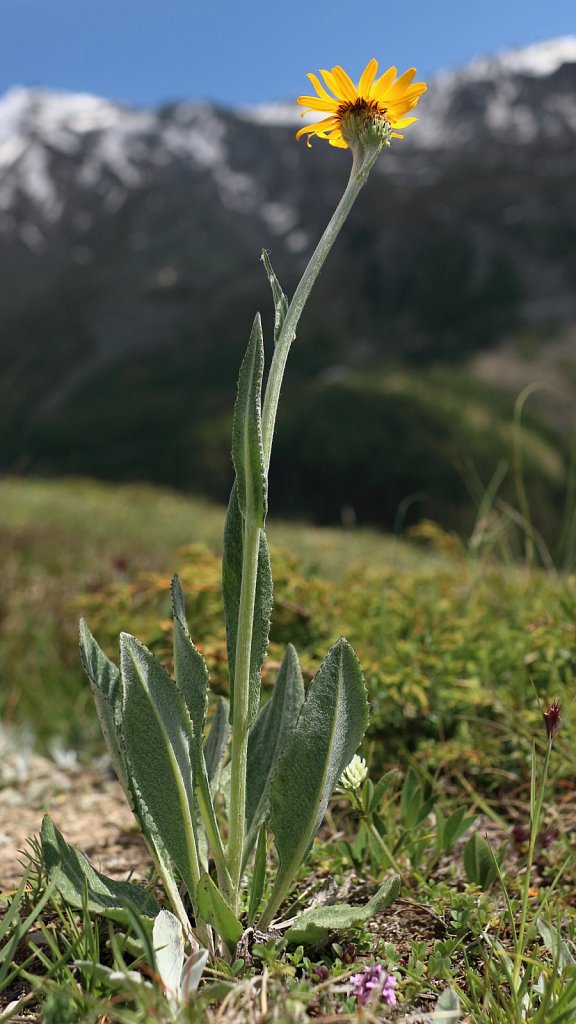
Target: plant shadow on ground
457, 653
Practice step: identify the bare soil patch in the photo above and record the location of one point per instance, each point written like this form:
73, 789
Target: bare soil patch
87, 805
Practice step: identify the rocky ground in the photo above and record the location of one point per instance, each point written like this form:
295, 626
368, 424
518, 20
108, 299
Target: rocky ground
87, 805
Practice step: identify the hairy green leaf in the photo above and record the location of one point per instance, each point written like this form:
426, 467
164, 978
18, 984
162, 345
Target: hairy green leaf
214, 909
280, 299
216, 743
258, 876
231, 587
106, 685
267, 739
330, 727
479, 863
157, 733
555, 944
193, 682
247, 450
448, 1009
314, 925
80, 884
191, 671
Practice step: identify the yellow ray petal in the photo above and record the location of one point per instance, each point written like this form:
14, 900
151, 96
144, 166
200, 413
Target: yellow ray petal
381, 84
401, 84
404, 122
331, 83
316, 128
319, 87
387, 95
316, 103
367, 77
395, 110
414, 90
345, 84
328, 124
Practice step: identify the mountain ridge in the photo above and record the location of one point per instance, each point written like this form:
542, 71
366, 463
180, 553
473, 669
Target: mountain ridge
129, 242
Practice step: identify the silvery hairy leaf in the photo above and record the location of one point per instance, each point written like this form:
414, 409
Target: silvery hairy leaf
329, 729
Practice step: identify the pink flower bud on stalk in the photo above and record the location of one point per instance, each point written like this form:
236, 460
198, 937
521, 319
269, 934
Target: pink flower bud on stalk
552, 719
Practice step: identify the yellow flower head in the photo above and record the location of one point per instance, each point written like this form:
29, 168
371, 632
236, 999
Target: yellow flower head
386, 99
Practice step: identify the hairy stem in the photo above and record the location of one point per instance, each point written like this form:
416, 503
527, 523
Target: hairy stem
241, 723
358, 176
360, 168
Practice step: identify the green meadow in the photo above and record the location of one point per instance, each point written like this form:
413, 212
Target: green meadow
462, 648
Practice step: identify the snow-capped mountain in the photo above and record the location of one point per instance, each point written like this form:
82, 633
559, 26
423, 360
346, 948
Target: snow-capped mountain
128, 234
521, 96
55, 146
535, 61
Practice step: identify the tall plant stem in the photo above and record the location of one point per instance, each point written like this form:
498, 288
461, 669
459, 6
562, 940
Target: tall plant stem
241, 723
361, 166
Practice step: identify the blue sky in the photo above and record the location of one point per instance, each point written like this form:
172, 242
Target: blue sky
248, 51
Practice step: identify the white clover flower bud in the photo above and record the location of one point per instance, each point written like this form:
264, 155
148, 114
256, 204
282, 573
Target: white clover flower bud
354, 774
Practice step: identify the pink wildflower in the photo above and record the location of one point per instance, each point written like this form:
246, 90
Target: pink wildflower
372, 984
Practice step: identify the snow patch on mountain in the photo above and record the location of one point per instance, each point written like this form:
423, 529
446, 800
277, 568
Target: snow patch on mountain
536, 60
58, 148
272, 114
491, 93
112, 150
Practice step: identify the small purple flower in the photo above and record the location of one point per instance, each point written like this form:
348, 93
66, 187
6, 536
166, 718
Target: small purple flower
520, 833
372, 984
548, 836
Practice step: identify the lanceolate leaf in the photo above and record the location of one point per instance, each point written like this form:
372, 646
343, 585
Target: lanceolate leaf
193, 681
157, 734
216, 742
448, 1008
258, 876
106, 687
247, 451
106, 684
280, 300
231, 586
331, 725
479, 863
168, 941
214, 909
158, 851
78, 881
315, 925
192, 974
190, 669
267, 739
